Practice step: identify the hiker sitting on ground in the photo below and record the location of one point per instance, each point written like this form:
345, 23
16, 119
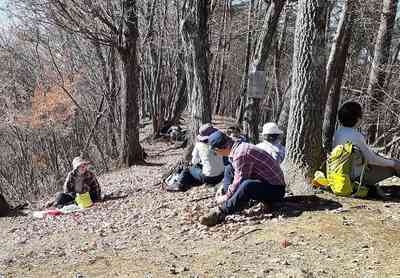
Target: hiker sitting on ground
378, 168
272, 141
207, 166
257, 177
79, 180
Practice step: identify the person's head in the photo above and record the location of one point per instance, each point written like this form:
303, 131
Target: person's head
204, 131
271, 132
350, 113
220, 143
234, 131
78, 163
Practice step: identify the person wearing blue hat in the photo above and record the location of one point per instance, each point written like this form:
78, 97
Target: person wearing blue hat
257, 176
207, 166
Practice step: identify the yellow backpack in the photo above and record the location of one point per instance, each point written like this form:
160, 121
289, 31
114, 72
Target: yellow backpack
338, 170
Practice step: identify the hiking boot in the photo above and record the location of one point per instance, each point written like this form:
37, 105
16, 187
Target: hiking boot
212, 218
174, 187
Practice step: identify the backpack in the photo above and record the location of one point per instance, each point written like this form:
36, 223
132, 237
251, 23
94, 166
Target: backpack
338, 170
174, 172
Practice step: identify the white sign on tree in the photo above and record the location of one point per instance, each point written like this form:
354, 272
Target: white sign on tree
257, 82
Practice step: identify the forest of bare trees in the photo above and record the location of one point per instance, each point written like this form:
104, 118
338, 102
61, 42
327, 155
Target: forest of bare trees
82, 77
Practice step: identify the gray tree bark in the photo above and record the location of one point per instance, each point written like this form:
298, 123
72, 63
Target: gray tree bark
334, 73
263, 49
244, 84
182, 75
381, 59
278, 56
222, 43
194, 30
284, 113
303, 142
130, 151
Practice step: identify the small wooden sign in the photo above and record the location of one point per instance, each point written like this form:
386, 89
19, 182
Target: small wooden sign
257, 83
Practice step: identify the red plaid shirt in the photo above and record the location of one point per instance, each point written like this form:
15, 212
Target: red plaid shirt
251, 162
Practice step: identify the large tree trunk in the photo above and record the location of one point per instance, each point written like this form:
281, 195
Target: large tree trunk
4, 207
334, 73
381, 59
284, 113
280, 44
303, 142
222, 43
244, 84
262, 52
108, 64
112, 122
131, 151
286, 92
181, 98
194, 29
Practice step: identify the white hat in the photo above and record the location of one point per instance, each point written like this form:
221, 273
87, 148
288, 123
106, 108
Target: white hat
78, 161
271, 128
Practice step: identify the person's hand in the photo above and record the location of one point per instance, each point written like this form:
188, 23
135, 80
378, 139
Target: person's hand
221, 199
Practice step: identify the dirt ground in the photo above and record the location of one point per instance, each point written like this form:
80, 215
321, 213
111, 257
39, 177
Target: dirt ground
151, 233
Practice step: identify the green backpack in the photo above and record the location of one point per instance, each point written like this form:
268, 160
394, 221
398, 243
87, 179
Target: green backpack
338, 170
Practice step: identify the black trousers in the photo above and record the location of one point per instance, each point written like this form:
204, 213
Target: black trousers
63, 199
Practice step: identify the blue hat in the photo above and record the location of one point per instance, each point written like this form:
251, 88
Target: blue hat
218, 140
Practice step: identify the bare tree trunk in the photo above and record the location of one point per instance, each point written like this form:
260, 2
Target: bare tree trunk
215, 58
337, 44
112, 122
392, 62
278, 56
284, 113
195, 38
131, 151
262, 52
334, 73
381, 59
181, 98
265, 40
180, 101
243, 87
303, 142
222, 64
108, 64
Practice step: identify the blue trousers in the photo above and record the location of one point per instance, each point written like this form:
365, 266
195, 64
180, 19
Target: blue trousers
254, 190
229, 173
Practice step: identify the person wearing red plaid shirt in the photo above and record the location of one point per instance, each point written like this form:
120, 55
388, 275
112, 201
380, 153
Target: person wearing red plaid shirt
257, 176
